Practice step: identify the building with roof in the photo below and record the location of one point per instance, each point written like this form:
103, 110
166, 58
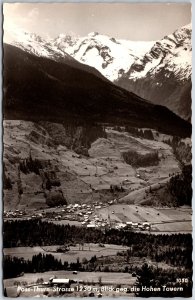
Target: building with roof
60, 282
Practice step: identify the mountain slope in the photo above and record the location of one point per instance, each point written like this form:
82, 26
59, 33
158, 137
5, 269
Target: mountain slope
37, 88
48, 163
36, 45
157, 71
163, 75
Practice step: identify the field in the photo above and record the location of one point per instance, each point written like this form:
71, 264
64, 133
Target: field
161, 219
174, 227
85, 251
106, 277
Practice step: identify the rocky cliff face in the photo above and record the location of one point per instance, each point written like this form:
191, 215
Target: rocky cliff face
108, 55
163, 75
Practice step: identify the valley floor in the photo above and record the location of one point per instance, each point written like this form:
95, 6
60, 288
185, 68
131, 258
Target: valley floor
162, 220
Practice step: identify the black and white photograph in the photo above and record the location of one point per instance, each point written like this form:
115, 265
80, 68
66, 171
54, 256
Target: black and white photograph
97, 150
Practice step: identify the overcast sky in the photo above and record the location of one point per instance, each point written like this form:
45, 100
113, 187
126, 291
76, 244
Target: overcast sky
121, 20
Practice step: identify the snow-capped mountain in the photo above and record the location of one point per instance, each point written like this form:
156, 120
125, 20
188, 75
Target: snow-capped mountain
34, 44
65, 41
173, 53
109, 56
157, 71
163, 74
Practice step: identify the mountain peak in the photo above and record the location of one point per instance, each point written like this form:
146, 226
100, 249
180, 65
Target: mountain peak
188, 26
64, 41
184, 31
92, 34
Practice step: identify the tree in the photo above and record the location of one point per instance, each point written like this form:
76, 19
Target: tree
100, 280
5, 292
180, 186
55, 198
145, 277
7, 184
84, 261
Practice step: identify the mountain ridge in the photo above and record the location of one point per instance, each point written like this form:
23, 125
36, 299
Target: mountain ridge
157, 71
52, 90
